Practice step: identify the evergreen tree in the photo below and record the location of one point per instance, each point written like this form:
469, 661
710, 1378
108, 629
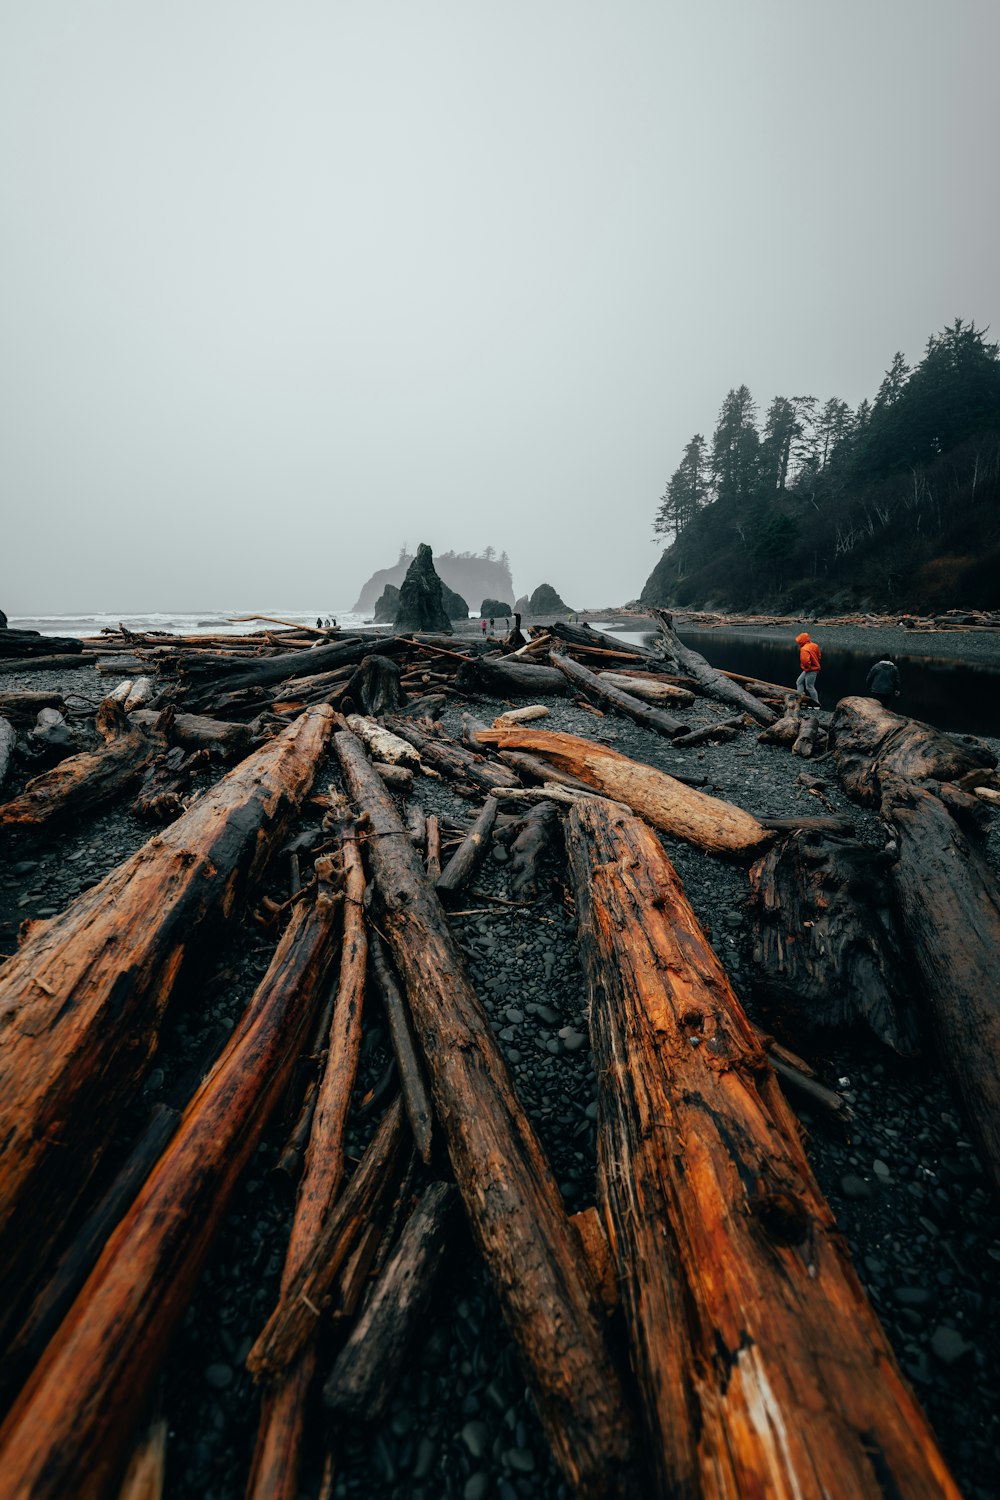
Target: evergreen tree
687, 491
735, 447
782, 426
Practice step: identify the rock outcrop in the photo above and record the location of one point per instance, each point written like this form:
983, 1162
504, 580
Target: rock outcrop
421, 606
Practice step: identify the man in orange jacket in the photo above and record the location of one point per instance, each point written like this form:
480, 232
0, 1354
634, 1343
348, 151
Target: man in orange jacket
809, 660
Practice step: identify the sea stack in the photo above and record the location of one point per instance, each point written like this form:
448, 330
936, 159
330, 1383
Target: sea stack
421, 606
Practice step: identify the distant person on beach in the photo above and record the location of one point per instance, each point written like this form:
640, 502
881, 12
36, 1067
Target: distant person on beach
319, 622
809, 660
883, 681
482, 626
491, 627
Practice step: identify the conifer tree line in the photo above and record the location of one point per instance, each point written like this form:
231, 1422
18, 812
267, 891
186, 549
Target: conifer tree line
892, 503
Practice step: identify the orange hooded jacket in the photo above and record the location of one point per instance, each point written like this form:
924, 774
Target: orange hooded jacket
809, 653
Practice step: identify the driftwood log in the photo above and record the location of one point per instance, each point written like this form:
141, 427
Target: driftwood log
616, 698
228, 741
82, 1000
712, 683
540, 827
826, 949
68, 1431
667, 803
501, 677
8, 739
82, 782
371, 1361
871, 742
510, 1195
649, 688
762, 1368
412, 1083
950, 907
469, 854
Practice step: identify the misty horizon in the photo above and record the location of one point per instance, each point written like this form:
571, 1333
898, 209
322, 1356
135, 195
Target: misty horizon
285, 290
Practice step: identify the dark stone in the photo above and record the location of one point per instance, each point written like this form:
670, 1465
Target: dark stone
545, 601
421, 606
386, 605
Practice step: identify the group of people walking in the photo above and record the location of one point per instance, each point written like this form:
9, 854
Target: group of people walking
882, 682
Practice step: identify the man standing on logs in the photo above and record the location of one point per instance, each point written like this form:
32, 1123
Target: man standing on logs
809, 661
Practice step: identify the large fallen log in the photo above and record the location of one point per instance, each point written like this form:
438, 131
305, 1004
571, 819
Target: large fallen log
648, 688
950, 906
82, 782
68, 1430
614, 697
826, 949
451, 759
763, 1369
470, 852
82, 1000
510, 1195
60, 663
29, 643
871, 742
712, 683
223, 738
667, 803
412, 1083
501, 677
21, 706
201, 689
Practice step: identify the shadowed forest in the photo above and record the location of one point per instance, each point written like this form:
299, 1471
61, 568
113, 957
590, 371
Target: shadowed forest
893, 505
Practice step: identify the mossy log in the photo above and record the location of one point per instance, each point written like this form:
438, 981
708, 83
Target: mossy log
871, 742
762, 1367
68, 1431
82, 1000
667, 803
826, 948
510, 1195
950, 906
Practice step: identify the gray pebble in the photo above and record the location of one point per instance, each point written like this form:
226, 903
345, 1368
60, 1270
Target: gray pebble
474, 1436
476, 1486
219, 1377
853, 1186
948, 1345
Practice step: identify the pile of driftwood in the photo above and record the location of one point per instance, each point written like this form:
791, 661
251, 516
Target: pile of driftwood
952, 619
701, 1331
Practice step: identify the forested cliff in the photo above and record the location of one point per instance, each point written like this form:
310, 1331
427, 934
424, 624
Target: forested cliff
895, 504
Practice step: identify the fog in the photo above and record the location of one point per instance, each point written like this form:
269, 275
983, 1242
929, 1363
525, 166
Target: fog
285, 287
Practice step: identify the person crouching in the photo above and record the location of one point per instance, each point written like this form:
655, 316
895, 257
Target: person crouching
809, 660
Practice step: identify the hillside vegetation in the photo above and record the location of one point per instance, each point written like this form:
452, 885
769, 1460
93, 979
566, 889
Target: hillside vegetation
893, 505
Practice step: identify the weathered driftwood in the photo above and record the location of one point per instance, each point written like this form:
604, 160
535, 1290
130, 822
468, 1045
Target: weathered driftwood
763, 1370
399, 778
870, 742
374, 686
367, 1196
277, 1453
599, 642
163, 794
31, 643
81, 1001
145, 1475
535, 768
265, 671
950, 906
433, 852
84, 781
66, 1433
510, 1195
826, 948
412, 1083
540, 826
8, 739
372, 1359
523, 715
613, 697
726, 729
649, 688
712, 683
451, 759
227, 740
21, 706
469, 854
502, 677
382, 745
667, 803
61, 663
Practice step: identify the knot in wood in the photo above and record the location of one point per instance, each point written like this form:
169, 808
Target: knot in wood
782, 1217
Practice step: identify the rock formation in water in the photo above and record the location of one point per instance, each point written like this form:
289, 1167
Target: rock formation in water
472, 575
455, 606
545, 601
421, 606
386, 605
492, 609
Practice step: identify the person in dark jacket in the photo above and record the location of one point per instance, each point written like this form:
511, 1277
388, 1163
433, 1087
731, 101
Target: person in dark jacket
883, 682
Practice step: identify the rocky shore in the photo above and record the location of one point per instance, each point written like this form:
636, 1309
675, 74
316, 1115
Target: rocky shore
903, 1179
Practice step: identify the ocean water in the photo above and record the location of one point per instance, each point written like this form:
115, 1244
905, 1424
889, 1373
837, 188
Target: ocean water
197, 622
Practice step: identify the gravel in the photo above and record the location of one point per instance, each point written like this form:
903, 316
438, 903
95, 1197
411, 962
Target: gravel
904, 1182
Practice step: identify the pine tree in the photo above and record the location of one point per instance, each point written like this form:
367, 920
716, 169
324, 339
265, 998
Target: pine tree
687, 491
735, 446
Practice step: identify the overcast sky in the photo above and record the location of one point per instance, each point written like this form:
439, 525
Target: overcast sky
286, 285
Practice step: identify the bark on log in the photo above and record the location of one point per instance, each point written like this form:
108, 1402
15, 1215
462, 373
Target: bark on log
667, 803
374, 687
82, 782
451, 759
541, 824
81, 1001
712, 683
501, 677
727, 729
30, 643
227, 740
412, 1083
433, 859
21, 707
399, 778
763, 1369
9, 665
826, 949
272, 669
469, 854
510, 1195
162, 795
382, 745
66, 1432
623, 703
372, 1359
950, 906
523, 715
870, 742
